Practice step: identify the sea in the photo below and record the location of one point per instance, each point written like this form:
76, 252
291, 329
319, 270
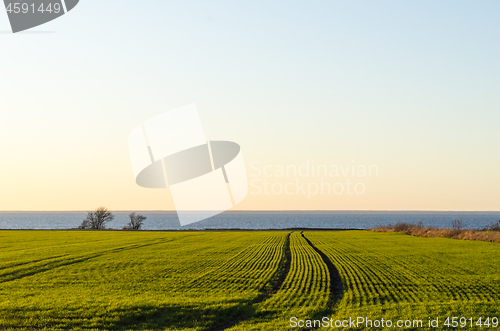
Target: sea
255, 220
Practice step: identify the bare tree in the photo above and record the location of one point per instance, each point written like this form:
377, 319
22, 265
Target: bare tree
135, 222
457, 225
493, 227
97, 219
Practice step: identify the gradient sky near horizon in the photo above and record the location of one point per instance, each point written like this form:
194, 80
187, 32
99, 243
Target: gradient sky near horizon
412, 87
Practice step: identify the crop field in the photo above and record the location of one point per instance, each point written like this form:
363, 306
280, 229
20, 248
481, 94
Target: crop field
401, 277
237, 280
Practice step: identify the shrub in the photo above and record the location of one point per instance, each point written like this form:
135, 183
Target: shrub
402, 227
457, 225
493, 227
490, 233
97, 219
135, 222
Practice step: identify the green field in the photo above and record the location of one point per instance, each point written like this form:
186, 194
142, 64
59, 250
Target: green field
74, 280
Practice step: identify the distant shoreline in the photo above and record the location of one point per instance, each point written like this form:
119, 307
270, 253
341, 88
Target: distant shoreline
191, 230
326, 212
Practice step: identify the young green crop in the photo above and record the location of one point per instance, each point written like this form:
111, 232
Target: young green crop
74, 280
121, 280
399, 277
304, 292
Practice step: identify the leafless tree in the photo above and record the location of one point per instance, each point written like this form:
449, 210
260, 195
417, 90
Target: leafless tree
493, 227
457, 225
97, 219
135, 222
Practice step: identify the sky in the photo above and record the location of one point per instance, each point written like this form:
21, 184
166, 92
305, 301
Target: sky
410, 88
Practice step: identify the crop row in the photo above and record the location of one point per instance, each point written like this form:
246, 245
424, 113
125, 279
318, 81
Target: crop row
403, 270
87, 280
304, 292
236, 280
250, 268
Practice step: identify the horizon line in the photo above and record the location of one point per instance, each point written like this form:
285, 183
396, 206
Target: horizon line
270, 211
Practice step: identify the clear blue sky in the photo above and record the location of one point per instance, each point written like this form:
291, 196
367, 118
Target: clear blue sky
411, 87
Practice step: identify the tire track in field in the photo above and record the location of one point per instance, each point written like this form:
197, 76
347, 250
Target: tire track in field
27, 272
266, 292
31, 262
283, 269
336, 286
211, 278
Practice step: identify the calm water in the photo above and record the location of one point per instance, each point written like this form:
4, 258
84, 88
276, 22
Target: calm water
254, 220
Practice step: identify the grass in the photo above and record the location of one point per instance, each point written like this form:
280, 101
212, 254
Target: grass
490, 233
73, 280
